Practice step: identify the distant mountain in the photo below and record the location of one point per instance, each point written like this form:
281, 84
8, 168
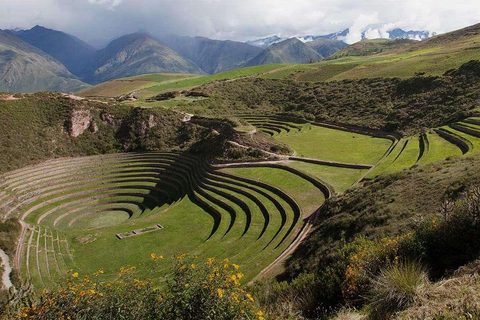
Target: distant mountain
136, 54
288, 51
25, 68
326, 47
212, 56
266, 42
411, 34
396, 33
69, 50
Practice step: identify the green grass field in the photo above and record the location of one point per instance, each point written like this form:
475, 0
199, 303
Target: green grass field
339, 178
227, 75
439, 149
335, 145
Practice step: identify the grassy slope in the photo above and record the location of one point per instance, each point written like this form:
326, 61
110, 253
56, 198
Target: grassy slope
387, 206
151, 84
328, 144
32, 129
433, 56
118, 87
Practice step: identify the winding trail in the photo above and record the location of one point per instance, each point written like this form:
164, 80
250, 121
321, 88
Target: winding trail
7, 282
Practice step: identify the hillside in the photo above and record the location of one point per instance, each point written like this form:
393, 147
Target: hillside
288, 51
72, 52
392, 105
371, 47
137, 54
24, 68
433, 56
212, 56
326, 47
318, 184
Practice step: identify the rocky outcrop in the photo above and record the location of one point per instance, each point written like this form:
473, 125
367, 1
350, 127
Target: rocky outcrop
79, 121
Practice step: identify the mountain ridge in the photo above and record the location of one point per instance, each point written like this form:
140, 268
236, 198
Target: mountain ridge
288, 51
25, 68
212, 56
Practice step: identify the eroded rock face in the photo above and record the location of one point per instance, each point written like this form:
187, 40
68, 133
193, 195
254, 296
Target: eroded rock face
80, 120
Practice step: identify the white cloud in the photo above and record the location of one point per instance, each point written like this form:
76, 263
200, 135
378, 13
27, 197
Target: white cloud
237, 19
109, 4
359, 26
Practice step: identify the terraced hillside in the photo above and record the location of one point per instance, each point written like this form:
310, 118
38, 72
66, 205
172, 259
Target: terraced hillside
367, 153
79, 213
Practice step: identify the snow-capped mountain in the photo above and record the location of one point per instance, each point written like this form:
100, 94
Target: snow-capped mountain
396, 33
266, 42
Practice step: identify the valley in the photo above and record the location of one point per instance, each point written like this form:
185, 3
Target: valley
275, 178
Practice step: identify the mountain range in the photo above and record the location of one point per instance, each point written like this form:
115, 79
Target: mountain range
396, 33
46, 59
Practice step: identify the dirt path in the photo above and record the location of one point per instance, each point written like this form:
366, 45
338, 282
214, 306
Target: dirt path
7, 269
307, 227
9, 98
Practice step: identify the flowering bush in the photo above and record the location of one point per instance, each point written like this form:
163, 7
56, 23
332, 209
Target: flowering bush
365, 262
197, 289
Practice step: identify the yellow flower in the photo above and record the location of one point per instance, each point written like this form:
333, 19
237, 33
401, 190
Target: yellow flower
75, 274
220, 292
92, 291
155, 257
236, 266
180, 257
192, 266
186, 285
210, 260
249, 297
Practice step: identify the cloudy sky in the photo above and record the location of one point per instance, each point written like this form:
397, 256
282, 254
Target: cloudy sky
97, 21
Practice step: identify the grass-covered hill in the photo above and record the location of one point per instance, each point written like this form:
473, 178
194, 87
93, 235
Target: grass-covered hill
433, 56
47, 125
393, 105
24, 68
407, 215
371, 47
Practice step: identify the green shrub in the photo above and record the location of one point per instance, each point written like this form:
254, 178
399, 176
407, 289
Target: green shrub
396, 288
450, 239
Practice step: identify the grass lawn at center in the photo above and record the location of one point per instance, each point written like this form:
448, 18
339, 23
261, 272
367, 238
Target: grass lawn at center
181, 234
335, 145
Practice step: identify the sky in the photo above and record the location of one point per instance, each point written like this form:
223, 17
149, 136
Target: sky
97, 21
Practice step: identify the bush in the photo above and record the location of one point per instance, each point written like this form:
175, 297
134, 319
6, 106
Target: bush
367, 258
449, 240
396, 288
197, 289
